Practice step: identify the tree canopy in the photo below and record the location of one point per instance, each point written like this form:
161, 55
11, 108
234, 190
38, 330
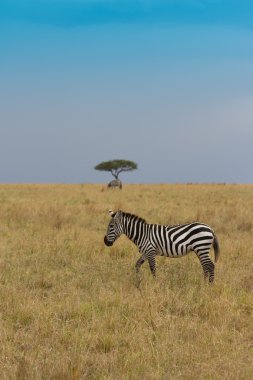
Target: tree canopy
116, 167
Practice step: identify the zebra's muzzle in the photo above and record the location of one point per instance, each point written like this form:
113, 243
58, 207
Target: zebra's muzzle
107, 242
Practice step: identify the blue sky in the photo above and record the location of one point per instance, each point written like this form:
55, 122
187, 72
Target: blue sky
168, 84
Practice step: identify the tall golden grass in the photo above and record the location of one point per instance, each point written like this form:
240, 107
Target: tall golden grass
70, 307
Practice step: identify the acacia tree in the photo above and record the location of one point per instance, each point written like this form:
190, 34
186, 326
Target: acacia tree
116, 167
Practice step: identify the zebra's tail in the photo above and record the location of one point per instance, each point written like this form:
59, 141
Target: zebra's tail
216, 248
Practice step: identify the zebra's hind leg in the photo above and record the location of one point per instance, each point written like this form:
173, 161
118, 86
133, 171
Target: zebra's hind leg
207, 265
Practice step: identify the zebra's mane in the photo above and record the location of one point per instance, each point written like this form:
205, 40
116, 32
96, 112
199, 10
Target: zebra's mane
127, 214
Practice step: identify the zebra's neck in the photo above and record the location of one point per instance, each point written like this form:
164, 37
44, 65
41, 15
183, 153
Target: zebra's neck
134, 228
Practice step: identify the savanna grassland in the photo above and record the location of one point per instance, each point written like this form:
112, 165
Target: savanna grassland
70, 308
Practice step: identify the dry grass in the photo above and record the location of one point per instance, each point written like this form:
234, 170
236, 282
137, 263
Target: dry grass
70, 308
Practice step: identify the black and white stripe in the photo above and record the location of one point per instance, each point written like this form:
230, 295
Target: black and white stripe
170, 241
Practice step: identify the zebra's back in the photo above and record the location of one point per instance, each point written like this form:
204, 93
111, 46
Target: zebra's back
177, 241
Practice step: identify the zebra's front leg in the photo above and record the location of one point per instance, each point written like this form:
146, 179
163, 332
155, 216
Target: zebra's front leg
152, 265
139, 263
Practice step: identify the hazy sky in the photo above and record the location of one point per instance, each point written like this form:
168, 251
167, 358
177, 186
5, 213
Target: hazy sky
167, 84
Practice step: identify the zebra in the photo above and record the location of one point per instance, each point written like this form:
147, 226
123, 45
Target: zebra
115, 183
164, 240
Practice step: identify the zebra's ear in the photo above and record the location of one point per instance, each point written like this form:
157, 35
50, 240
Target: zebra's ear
111, 213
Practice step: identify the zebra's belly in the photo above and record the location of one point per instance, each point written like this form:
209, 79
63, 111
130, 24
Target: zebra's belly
174, 253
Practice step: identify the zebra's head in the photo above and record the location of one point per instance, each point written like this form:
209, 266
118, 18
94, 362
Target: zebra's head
114, 229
